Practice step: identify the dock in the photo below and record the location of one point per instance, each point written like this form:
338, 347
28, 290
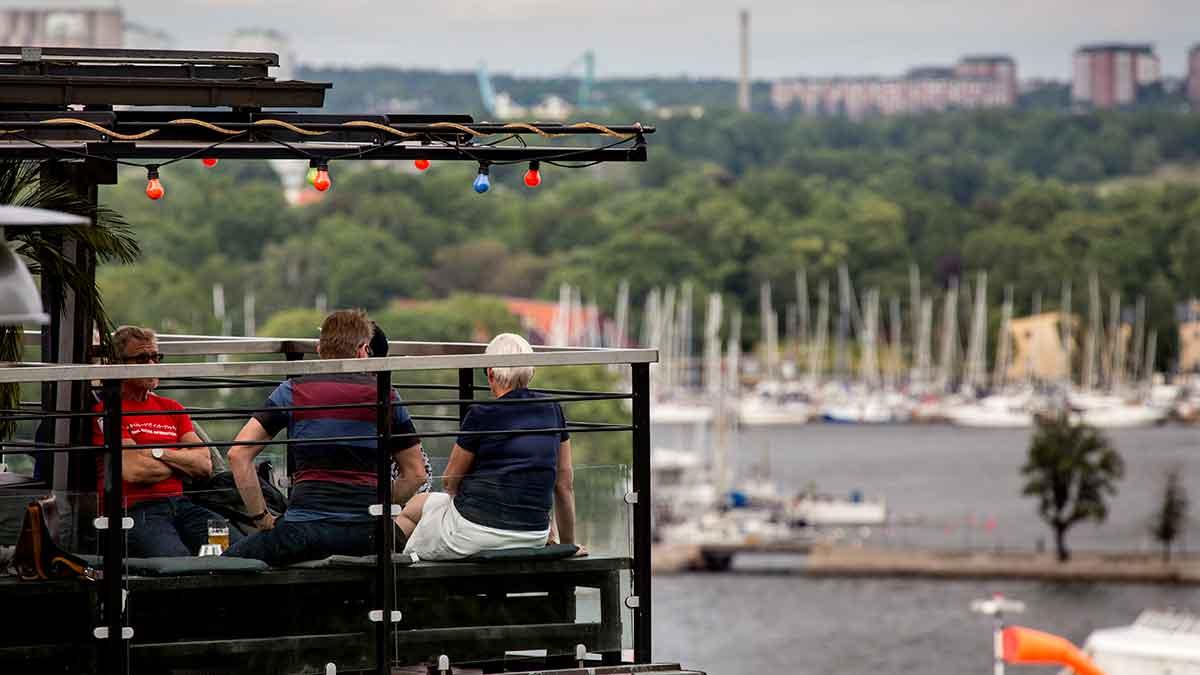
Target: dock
830, 560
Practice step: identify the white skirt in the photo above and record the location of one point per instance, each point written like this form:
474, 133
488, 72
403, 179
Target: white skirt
443, 534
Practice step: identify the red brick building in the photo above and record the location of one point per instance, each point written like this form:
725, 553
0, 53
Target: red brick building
1108, 75
975, 82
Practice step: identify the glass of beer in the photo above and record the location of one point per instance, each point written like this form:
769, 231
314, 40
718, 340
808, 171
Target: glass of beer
218, 533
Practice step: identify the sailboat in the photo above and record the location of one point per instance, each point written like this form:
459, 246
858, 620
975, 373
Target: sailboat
772, 402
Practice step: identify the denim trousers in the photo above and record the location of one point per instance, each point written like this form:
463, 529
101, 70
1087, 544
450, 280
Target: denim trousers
293, 542
170, 527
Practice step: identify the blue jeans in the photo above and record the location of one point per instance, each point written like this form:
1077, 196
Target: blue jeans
289, 542
170, 527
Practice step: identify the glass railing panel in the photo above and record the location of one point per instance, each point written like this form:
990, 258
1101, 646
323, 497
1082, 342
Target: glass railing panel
487, 595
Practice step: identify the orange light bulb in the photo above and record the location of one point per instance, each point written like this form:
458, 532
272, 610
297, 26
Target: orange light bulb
321, 181
154, 189
533, 178
210, 162
421, 164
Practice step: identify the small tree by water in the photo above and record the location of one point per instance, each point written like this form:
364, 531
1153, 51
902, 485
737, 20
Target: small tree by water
1169, 519
1072, 469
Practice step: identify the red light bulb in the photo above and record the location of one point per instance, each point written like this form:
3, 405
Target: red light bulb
210, 162
154, 189
321, 181
421, 164
533, 177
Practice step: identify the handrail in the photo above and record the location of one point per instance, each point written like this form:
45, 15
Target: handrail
17, 372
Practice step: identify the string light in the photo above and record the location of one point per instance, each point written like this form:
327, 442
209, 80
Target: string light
421, 164
312, 172
209, 162
154, 188
321, 181
482, 183
533, 177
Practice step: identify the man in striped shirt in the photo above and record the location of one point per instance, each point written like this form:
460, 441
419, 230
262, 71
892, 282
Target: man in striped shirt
334, 481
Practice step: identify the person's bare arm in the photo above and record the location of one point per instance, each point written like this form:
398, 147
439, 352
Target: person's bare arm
139, 466
241, 461
410, 462
564, 495
192, 462
460, 463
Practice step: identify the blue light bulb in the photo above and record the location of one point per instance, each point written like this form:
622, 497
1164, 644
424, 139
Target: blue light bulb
482, 183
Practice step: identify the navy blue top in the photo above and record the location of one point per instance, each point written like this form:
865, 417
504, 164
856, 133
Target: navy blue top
511, 482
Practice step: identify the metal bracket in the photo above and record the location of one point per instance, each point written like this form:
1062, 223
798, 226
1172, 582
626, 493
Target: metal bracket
631, 497
444, 664
101, 632
331, 668
101, 523
376, 615
377, 509
633, 602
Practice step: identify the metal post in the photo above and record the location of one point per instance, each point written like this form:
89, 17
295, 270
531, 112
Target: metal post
114, 536
384, 534
466, 389
641, 512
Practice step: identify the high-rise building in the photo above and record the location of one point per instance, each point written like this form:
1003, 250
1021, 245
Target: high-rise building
974, 82
83, 27
1108, 75
1193, 77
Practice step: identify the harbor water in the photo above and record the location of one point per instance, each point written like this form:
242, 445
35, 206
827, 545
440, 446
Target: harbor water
960, 489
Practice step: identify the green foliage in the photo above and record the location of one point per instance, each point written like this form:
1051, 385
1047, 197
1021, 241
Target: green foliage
1071, 470
1168, 522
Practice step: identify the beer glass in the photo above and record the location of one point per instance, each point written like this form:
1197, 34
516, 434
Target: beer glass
218, 533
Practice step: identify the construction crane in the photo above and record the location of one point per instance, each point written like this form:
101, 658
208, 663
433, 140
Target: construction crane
583, 97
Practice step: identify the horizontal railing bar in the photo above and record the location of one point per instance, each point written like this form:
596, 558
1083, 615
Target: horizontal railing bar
68, 372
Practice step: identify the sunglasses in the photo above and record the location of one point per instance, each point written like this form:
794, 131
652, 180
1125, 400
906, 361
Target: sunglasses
144, 357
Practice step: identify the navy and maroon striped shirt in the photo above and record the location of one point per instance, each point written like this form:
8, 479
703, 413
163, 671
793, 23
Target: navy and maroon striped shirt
334, 479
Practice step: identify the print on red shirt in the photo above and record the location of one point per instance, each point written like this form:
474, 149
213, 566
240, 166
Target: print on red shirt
140, 425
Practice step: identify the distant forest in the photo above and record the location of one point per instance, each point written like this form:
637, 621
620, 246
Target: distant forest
727, 201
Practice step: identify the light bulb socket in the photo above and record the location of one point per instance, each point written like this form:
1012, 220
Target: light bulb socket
151, 171
483, 168
535, 165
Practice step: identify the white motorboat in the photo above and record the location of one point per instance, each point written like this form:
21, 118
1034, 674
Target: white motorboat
1106, 411
681, 483
828, 511
999, 411
1156, 643
764, 411
680, 412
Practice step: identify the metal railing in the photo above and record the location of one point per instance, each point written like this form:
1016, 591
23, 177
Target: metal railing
464, 358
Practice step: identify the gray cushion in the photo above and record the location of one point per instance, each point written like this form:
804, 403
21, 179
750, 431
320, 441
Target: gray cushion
185, 565
551, 552
350, 561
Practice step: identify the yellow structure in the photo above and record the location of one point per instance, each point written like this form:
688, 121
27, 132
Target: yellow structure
1038, 350
1189, 337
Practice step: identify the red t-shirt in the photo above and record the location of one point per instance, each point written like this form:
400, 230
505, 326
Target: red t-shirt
145, 428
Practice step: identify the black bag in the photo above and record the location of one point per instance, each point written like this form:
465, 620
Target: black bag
220, 495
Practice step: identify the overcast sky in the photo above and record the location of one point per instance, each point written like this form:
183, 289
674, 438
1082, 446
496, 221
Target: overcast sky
673, 37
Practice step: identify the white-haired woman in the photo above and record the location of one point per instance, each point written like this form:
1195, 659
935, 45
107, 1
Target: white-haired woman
499, 488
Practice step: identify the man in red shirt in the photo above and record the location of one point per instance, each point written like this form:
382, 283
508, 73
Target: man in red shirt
165, 523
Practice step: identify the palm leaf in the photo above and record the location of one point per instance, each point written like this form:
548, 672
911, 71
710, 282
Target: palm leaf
109, 240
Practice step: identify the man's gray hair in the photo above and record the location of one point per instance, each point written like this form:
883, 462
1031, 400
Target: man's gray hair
511, 343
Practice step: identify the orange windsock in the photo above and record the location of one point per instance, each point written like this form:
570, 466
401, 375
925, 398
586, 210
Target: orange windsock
1025, 645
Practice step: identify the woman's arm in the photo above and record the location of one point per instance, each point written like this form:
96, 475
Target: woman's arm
410, 462
564, 495
459, 465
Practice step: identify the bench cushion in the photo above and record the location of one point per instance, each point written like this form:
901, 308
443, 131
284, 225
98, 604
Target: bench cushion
551, 552
181, 566
350, 561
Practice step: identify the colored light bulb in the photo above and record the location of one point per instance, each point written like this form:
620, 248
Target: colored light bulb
421, 164
210, 162
311, 175
533, 177
482, 183
321, 181
154, 189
